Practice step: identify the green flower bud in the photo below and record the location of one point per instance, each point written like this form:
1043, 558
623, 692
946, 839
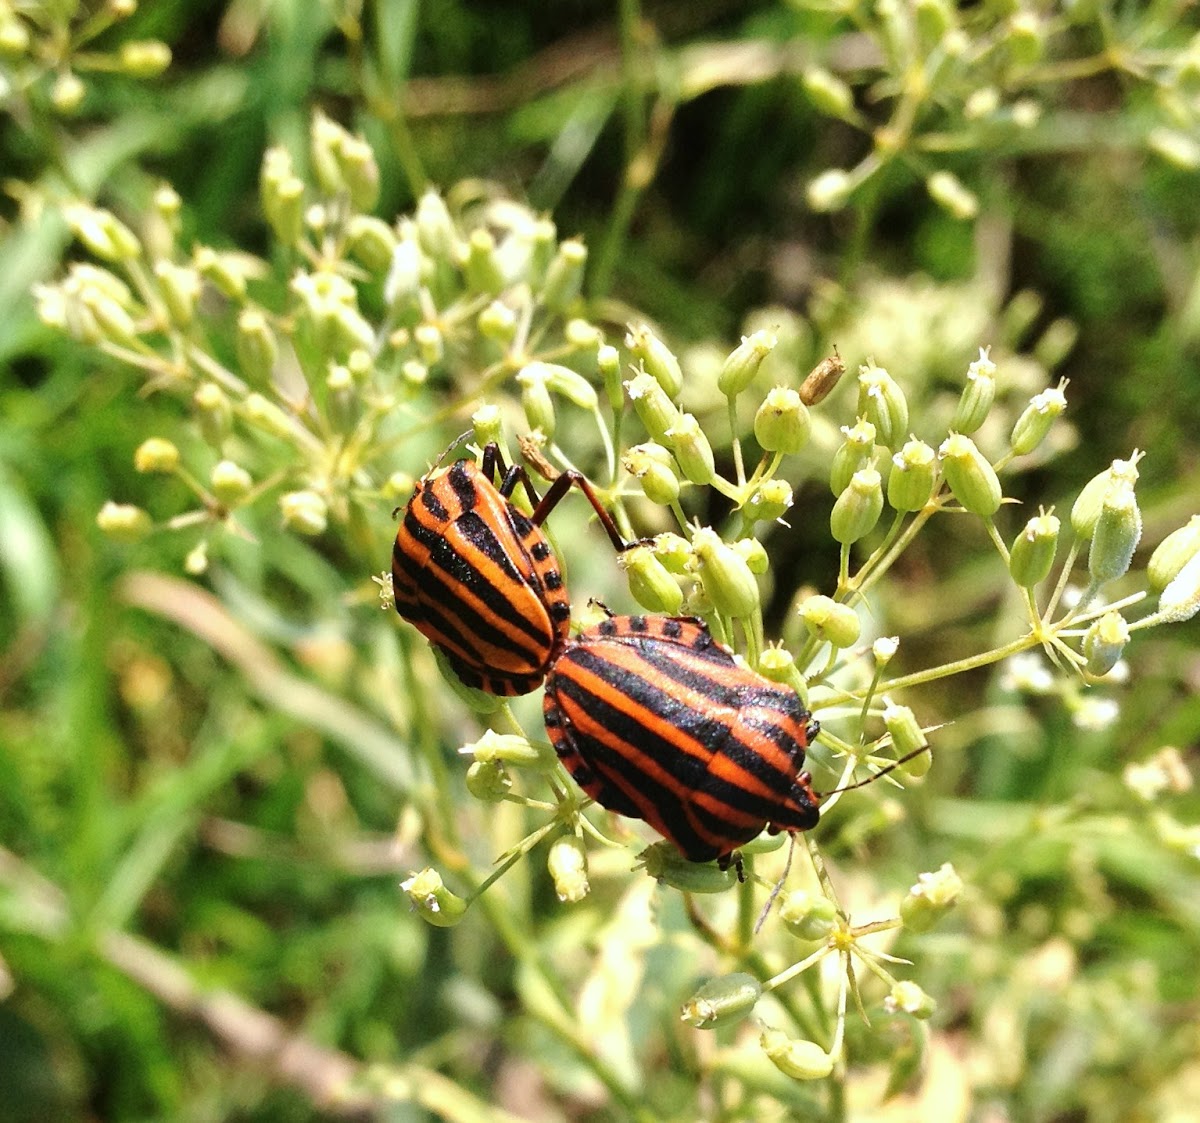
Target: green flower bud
981, 103
342, 401
907, 736
809, 916
796, 1058
829, 191
1180, 600
654, 468
828, 93
180, 288
482, 270
143, 58
124, 522
510, 748
724, 574
214, 413
196, 562
488, 781
949, 192
360, 172
267, 416
564, 276
1173, 553
435, 227
829, 621
853, 454
431, 344
908, 998
414, 373
822, 379
754, 553
722, 1001
487, 425
657, 412
858, 508
743, 363
102, 233
1117, 533
1104, 643
1034, 423
305, 512
156, 455
972, 479
569, 384
432, 900
372, 242
224, 271
1086, 511
779, 665
1026, 38
113, 322
650, 584
14, 35
656, 358
281, 193
914, 472
882, 403
930, 899
402, 285
1033, 551
257, 350
608, 364
782, 423
769, 501
567, 863
67, 92
498, 322
674, 551
884, 649
229, 482
536, 400
663, 862
934, 19
325, 139
978, 395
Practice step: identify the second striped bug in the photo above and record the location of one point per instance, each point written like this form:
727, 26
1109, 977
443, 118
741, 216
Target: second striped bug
477, 576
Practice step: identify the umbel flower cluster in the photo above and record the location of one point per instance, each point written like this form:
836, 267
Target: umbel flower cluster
310, 408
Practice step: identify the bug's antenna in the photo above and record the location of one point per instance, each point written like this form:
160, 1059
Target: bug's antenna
876, 776
787, 868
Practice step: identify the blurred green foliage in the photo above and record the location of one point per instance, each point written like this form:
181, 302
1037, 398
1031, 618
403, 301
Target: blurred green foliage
210, 789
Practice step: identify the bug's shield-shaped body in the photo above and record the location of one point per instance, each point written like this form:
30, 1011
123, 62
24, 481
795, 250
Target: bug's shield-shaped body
479, 580
656, 720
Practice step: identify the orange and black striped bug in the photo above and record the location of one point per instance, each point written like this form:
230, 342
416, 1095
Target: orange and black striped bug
477, 576
654, 719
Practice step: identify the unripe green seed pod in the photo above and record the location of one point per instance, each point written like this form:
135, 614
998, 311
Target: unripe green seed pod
402, 285
305, 512
1173, 553
1033, 551
509, 748
978, 395
608, 365
779, 665
796, 1058
67, 92
481, 268
907, 737
498, 322
657, 359
342, 404
564, 276
113, 322
267, 416
650, 584
1086, 510
656, 410
693, 453
808, 916
853, 454
829, 191
1025, 39
360, 172
223, 271
536, 400
372, 242
769, 501
257, 350
1180, 600
822, 379
567, 863
972, 479
214, 413
1031, 427
432, 900
1104, 643
102, 233
722, 1001
829, 621
431, 343
663, 862
435, 227
934, 19
952, 195
281, 193
124, 522
743, 363
654, 468
914, 472
858, 508
782, 423
196, 562
883, 650
569, 384
156, 454
488, 781
827, 92
907, 997
414, 373
930, 899
180, 287
486, 423
229, 482
883, 404
724, 574
674, 551
754, 553
1117, 533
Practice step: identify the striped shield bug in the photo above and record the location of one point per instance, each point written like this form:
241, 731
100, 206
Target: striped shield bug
656, 720
477, 576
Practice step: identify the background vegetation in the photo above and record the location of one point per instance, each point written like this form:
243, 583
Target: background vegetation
216, 769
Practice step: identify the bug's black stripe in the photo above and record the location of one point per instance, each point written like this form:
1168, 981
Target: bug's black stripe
431, 503
462, 485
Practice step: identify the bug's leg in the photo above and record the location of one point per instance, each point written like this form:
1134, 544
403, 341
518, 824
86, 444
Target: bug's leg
560, 487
